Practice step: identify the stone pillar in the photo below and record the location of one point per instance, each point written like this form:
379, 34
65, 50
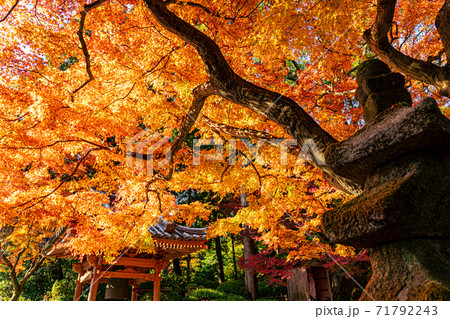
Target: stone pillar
298, 285
402, 157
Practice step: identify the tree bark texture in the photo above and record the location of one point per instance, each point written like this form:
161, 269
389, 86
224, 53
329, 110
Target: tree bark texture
251, 281
230, 86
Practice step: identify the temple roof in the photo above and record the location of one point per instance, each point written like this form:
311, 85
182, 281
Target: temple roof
170, 239
164, 229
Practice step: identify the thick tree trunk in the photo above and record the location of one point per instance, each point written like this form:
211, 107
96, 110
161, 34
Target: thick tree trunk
16, 294
251, 281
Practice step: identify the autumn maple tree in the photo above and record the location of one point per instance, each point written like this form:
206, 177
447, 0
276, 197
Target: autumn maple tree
79, 79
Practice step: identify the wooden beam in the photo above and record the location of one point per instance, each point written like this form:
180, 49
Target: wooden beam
135, 262
185, 243
128, 275
78, 267
86, 265
92, 259
86, 277
157, 282
94, 282
78, 289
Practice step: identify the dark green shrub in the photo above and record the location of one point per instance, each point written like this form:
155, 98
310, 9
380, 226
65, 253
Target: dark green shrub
176, 285
208, 284
274, 292
6, 288
147, 296
234, 287
63, 290
211, 294
169, 296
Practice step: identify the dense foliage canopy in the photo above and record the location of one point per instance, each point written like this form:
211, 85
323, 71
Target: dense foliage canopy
79, 79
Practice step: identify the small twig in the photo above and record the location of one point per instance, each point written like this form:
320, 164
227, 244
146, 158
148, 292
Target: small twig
17, 119
215, 14
54, 143
41, 198
9, 12
87, 57
35, 7
437, 57
116, 100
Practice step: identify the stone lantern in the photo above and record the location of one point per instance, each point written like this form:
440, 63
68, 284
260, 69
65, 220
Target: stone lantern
402, 157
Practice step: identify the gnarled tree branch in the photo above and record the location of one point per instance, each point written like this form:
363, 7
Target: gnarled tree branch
40, 199
227, 84
201, 93
377, 39
208, 11
279, 108
337, 181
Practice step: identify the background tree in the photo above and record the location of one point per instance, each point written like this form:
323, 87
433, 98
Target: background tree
23, 255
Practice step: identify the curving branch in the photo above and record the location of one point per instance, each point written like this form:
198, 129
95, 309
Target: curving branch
118, 99
87, 57
227, 84
377, 39
9, 12
56, 142
200, 93
443, 27
211, 13
238, 132
40, 199
332, 178
278, 108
